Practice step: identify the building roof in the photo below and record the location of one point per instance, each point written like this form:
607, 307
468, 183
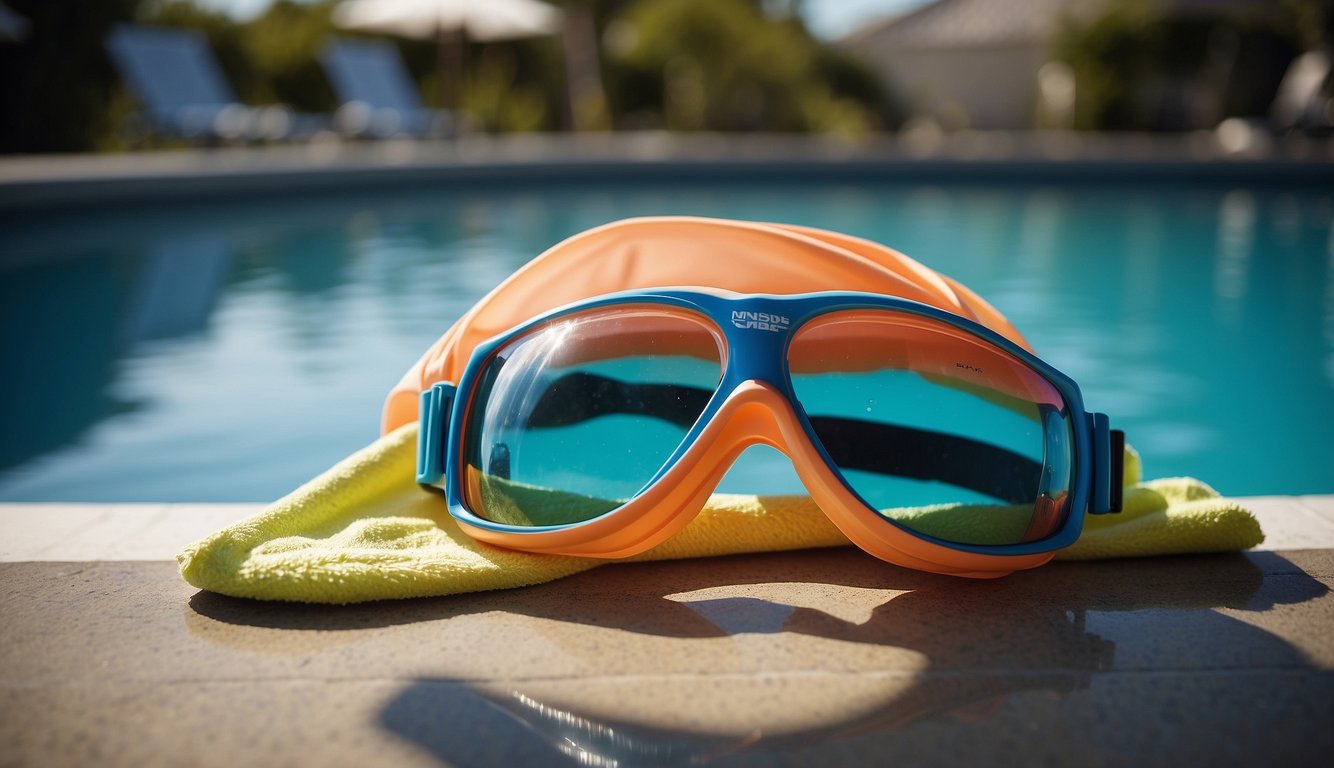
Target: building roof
946, 24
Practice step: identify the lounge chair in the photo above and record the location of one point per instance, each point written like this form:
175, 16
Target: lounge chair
378, 97
1302, 103
183, 93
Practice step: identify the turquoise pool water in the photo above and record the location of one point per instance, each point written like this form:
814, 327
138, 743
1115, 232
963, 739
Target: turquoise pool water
230, 351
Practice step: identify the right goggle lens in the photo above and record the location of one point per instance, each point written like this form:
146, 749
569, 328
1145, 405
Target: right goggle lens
943, 433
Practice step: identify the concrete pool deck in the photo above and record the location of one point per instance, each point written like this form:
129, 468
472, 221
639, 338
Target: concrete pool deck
815, 657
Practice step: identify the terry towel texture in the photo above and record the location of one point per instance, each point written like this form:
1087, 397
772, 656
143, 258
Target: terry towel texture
365, 531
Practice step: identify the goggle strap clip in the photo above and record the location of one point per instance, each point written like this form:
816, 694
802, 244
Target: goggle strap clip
1118, 457
433, 418
1108, 450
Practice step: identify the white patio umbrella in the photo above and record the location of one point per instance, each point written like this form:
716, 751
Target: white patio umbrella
483, 20
450, 23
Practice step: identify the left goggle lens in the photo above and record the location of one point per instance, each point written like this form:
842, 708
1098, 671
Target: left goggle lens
574, 417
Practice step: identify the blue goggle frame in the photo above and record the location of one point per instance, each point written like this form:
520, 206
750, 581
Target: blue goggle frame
757, 349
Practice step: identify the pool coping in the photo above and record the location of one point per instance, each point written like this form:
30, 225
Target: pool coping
54, 181
70, 532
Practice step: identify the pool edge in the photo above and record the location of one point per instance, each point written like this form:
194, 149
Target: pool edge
43, 182
78, 532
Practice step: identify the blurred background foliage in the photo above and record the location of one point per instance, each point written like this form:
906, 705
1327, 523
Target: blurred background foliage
679, 64
683, 65
1140, 66
723, 65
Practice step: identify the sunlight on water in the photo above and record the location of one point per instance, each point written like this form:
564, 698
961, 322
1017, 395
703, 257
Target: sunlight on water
229, 352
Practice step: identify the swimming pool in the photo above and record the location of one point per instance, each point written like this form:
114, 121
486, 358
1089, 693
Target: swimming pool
228, 351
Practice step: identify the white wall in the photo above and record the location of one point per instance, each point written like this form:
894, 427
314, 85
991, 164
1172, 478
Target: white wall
980, 88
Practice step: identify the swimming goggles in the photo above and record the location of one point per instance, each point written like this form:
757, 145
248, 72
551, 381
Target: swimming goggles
599, 428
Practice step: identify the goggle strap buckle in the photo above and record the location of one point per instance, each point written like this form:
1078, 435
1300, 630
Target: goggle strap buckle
1108, 452
433, 418
1118, 457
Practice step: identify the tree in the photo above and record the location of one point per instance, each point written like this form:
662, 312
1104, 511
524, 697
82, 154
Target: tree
1139, 67
58, 84
724, 65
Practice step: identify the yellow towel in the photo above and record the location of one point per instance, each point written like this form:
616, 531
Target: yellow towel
365, 531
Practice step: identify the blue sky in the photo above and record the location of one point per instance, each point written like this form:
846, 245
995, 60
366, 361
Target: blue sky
832, 19
829, 19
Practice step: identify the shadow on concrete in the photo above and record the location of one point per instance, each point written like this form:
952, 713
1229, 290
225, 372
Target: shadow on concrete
634, 596
1030, 640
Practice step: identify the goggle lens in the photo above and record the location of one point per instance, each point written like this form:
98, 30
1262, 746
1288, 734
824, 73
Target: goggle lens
573, 418
943, 433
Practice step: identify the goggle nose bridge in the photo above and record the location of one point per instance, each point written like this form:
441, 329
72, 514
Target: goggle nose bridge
753, 412
762, 357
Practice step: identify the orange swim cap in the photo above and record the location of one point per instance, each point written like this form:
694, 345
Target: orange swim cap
684, 251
